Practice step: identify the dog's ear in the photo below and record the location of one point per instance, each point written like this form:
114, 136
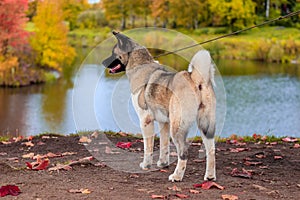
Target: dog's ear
124, 42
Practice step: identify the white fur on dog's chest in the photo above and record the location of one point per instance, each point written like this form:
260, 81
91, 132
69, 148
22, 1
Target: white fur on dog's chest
157, 114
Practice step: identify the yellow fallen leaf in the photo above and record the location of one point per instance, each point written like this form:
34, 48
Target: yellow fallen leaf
229, 197
85, 139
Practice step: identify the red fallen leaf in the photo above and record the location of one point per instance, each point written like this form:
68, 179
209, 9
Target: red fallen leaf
154, 196
256, 136
164, 170
17, 139
243, 174
229, 197
208, 184
9, 190
289, 139
29, 138
39, 164
181, 196
124, 145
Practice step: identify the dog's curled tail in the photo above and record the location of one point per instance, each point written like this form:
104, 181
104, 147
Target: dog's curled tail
202, 68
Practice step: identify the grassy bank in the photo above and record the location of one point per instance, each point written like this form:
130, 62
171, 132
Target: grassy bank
269, 44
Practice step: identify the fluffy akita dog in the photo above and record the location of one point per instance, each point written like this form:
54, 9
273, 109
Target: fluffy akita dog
174, 100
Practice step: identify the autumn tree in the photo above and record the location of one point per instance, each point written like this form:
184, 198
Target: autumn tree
50, 39
12, 23
188, 13
116, 10
160, 11
72, 9
235, 14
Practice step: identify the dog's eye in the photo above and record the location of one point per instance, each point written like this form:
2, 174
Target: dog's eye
120, 57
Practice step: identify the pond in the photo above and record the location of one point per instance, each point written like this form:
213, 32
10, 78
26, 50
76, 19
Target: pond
260, 98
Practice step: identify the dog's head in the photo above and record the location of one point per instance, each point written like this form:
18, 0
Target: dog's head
118, 61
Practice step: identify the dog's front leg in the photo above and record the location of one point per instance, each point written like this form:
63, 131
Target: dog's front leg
147, 126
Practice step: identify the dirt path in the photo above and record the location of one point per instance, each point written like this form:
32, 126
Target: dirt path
274, 171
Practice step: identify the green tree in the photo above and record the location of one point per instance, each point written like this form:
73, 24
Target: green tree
233, 13
50, 39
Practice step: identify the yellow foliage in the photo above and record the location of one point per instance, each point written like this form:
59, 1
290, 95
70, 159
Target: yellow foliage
50, 40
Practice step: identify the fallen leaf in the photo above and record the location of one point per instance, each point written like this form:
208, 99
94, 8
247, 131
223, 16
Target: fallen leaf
174, 188
243, 174
229, 197
194, 191
289, 139
164, 170
236, 150
53, 155
83, 191
17, 139
45, 137
154, 196
12, 159
259, 187
68, 153
95, 134
85, 139
3, 153
82, 160
29, 155
29, 138
134, 176
278, 157
6, 142
60, 167
28, 144
122, 134
181, 196
40, 164
208, 184
260, 155
9, 190
199, 160
296, 145
252, 163
124, 145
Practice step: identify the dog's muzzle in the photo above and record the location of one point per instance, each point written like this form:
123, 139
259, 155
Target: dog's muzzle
114, 65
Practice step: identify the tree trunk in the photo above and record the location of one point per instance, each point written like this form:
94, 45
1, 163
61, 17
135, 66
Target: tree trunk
267, 8
123, 23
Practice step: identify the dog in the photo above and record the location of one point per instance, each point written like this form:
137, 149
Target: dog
175, 100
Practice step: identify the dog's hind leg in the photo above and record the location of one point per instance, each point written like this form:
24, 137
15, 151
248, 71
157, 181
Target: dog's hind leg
164, 145
179, 139
210, 172
147, 126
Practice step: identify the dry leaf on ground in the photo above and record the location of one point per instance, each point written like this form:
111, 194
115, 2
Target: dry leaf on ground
229, 197
124, 145
208, 184
243, 174
154, 196
9, 190
83, 191
85, 139
40, 164
181, 196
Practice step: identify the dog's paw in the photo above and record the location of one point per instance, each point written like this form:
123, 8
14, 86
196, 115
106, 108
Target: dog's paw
175, 178
145, 166
162, 164
209, 178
